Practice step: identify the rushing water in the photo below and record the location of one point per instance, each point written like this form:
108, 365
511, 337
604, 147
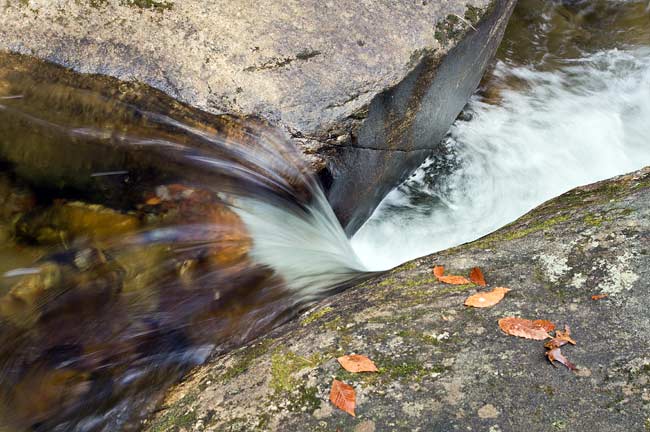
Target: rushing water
138, 236
139, 240
567, 103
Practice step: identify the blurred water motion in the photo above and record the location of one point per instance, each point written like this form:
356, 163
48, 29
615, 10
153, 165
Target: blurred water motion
138, 237
567, 103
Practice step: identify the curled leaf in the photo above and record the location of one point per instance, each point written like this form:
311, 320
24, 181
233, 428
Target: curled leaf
555, 355
525, 328
454, 280
486, 299
598, 296
476, 276
343, 397
565, 335
439, 272
357, 363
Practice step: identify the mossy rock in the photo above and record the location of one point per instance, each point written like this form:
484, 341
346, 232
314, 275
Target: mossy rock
445, 367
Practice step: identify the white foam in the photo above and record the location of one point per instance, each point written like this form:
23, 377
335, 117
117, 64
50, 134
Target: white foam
588, 121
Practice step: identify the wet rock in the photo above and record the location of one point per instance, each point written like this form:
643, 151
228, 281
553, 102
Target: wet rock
66, 222
447, 367
365, 102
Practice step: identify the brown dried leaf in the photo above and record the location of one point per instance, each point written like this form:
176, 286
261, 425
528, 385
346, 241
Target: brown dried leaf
598, 296
561, 338
476, 276
343, 397
525, 328
357, 363
454, 280
565, 335
545, 324
555, 355
439, 271
486, 299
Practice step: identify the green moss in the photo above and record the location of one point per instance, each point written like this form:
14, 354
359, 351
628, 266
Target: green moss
159, 5
300, 396
286, 363
448, 29
179, 415
418, 336
473, 14
595, 220
510, 233
407, 369
333, 325
316, 315
387, 282
412, 265
247, 356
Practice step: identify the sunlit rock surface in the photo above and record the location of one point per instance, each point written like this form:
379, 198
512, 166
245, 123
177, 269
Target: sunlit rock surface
367, 89
445, 367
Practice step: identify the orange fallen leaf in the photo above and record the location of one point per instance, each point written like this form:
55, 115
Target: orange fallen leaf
357, 363
476, 276
555, 355
343, 397
525, 328
565, 335
439, 271
545, 324
153, 201
486, 299
598, 296
561, 338
453, 280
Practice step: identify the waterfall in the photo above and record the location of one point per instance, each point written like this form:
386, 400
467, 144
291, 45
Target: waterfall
153, 238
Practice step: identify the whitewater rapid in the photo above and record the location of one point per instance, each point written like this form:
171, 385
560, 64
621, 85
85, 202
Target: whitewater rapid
550, 131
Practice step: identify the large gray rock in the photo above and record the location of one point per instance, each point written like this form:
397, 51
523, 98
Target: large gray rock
445, 367
367, 88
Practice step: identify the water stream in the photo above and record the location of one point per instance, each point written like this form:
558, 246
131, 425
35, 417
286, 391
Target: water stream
139, 236
567, 104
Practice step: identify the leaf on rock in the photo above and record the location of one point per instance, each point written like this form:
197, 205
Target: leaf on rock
357, 363
555, 355
476, 276
343, 397
486, 299
454, 280
525, 328
545, 324
598, 296
439, 272
565, 335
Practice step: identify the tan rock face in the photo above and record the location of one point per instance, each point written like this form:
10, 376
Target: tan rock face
366, 88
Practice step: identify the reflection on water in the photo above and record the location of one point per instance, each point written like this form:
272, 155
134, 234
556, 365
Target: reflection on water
567, 103
138, 237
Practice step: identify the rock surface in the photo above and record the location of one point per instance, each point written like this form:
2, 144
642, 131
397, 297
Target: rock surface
445, 367
367, 89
